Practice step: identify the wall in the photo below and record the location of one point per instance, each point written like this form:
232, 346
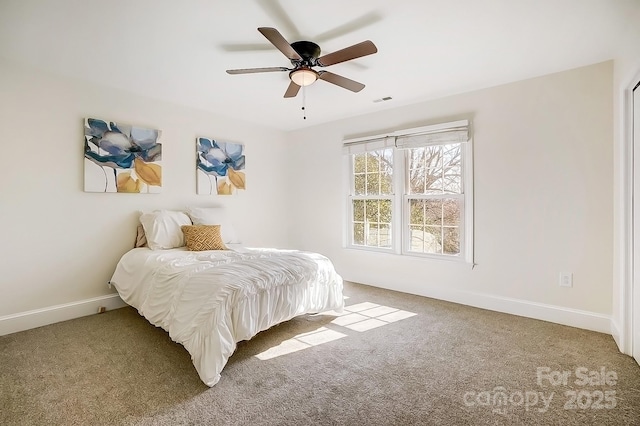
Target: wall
543, 190
59, 244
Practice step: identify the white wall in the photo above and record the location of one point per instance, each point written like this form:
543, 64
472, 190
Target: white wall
543, 190
59, 244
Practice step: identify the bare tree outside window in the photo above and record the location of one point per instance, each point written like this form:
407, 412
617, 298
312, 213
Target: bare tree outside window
435, 196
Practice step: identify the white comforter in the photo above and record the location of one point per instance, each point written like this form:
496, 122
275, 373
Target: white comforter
208, 301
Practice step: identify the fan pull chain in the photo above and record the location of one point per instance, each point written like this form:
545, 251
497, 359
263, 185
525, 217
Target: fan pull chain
304, 102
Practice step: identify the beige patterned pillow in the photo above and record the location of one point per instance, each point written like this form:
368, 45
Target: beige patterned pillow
203, 237
141, 238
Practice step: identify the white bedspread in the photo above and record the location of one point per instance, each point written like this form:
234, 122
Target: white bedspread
208, 301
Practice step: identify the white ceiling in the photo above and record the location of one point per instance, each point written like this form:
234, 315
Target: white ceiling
179, 50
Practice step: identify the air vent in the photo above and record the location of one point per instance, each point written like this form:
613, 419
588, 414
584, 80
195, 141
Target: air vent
386, 98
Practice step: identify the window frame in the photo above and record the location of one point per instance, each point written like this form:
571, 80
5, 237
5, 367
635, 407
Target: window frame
400, 197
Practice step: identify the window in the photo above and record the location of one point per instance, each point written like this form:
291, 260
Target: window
435, 199
372, 198
410, 193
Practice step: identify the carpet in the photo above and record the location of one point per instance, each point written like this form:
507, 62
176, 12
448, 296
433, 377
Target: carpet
390, 359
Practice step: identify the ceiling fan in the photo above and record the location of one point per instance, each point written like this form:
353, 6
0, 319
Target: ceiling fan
304, 55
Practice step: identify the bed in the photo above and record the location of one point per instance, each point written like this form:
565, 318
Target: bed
208, 300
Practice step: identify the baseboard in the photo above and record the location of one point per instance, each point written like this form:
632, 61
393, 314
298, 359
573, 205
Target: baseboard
52, 314
617, 335
557, 314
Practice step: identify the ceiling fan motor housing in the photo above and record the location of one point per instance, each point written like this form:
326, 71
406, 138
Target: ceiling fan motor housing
309, 52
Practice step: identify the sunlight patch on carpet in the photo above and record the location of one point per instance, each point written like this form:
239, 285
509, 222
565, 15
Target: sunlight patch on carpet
345, 320
359, 317
367, 316
300, 342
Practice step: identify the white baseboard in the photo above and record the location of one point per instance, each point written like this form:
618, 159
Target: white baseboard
52, 314
617, 336
557, 314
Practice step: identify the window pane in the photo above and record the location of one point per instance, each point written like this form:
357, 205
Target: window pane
416, 211
359, 162
386, 165
385, 236
451, 240
416, 171
451, 154
432, 239
433, 212
373, 161
433, 157
385, 211
373, 184
372, 211
416, 238
435, 169
371, 223
416, 158
434, 181
386, 184
373, 172
453, 180
358, 211
417, 181
372, 234
450, 212
359, 184
358, 233
434, 225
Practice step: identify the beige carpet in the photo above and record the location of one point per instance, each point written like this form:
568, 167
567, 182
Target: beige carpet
380, 366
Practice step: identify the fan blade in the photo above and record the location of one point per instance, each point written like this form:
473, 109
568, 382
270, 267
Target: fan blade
354, 25
257, 70
279, 42
352, 52
245, 47
274, 9
292, 90
341, 81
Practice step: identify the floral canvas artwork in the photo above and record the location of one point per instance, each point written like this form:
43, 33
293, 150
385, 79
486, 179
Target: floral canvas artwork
219, 167
121, 158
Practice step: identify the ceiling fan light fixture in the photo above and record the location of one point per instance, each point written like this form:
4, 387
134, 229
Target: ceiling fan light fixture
303, 76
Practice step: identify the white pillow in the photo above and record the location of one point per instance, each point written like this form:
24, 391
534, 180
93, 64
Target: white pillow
162, 228
214, 216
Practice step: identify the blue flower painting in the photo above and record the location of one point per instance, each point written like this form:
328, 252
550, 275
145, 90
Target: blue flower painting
219, 167
121, 158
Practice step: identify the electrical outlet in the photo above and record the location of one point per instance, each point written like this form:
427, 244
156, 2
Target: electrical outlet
566, 279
